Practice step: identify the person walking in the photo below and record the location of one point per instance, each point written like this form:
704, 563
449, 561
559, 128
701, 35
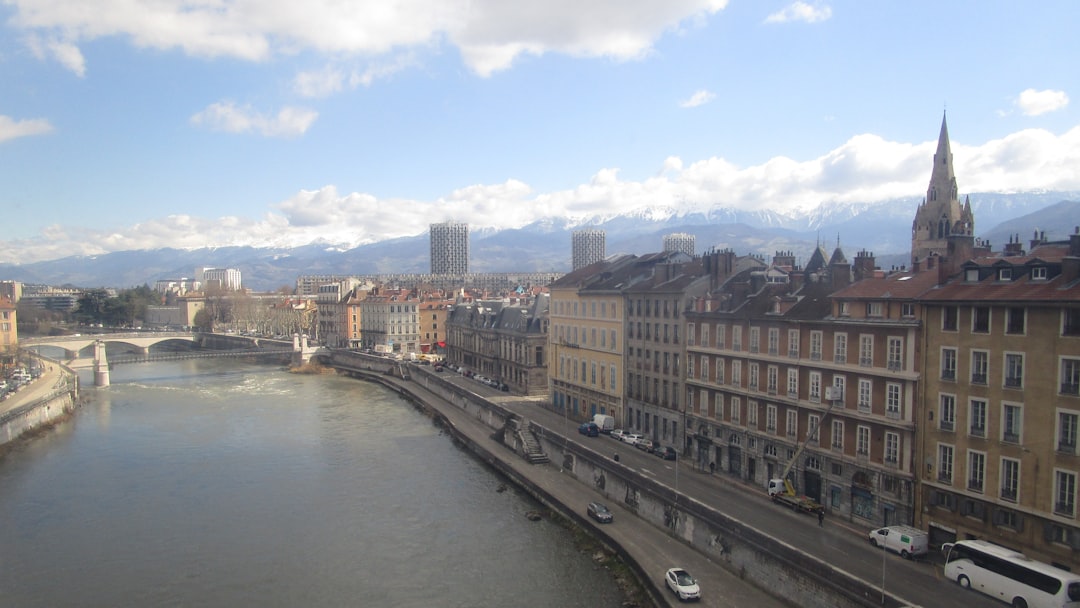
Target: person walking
821, 518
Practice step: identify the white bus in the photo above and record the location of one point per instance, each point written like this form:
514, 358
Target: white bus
1011, 577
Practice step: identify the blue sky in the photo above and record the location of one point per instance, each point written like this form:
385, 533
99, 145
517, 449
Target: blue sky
132, 125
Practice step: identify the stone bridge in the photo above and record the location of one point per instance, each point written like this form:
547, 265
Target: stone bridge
139, 343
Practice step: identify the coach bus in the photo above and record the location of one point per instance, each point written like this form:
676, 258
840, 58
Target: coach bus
1009, 576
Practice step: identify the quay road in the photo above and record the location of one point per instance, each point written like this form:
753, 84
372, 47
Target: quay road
839, 542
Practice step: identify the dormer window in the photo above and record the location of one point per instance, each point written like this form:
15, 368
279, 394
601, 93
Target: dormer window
1038, 273
971, 275
1004, 274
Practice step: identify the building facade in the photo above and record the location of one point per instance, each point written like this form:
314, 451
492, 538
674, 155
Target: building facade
503, 341
449, 248
940, 215
680, 241
587, 247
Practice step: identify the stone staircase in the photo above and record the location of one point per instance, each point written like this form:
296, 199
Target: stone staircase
530, 447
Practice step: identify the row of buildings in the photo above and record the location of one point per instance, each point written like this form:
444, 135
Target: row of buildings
944, 395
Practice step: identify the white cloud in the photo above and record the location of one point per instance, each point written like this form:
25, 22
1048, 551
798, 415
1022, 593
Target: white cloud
698, 99
231, 118
1033, 103
866, 168
801, 11
490, 34
12, 129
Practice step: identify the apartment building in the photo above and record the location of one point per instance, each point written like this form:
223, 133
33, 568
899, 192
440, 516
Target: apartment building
502, 340
1001, 413
585, 338
656, 345
390, 322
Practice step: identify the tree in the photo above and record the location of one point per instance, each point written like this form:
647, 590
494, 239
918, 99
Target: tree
204, 320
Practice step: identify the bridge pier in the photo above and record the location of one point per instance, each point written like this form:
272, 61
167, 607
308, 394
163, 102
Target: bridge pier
101, 365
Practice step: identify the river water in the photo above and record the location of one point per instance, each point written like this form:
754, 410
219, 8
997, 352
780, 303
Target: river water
219, 483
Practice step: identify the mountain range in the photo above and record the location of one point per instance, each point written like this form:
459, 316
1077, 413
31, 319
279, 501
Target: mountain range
882, 228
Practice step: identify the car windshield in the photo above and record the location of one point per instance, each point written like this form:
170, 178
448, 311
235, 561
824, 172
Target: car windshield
684, 578
600, 509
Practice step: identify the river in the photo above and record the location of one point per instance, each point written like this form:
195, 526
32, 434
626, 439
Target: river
220, 483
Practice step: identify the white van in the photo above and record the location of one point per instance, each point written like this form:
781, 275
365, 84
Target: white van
905, 540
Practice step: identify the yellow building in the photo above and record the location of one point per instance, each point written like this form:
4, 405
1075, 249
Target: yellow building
9, 333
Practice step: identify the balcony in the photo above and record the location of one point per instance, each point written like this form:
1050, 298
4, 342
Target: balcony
842, 359
866, 362
1008, 494
978, 431
1070, 388
945, 477
815, 356
1064, 508
947, 425
1013, 382
948, 374
975, 485
978, 379
793, 353
895, 366
1010, 437
1066, 446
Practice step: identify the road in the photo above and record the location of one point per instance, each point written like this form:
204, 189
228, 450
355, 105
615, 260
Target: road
839, 542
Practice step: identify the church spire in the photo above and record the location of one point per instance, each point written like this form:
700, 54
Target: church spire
942, 179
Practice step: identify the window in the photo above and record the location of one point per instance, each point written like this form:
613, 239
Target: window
866, 390
1070, 376
721, 330
1014, 370
736, 374
815, 387
838, 435
976, 470
907, 310
948, 364
690, 334
977, 417
950, 318
896, 354
704, 333
1067, 428
862, 440
1010, 479
840, 348
774, 341
613, 376
793, 383
736, 338
1038, 273
718, 369
751, 411
1014, 320
792, 423
980, 366
892, 400
752, 373
815, 345
947, 412
866, 350
840, 384
771, 379
892, 448
945, 463
755, 339
1070, 322
980, 319
1065, 493
873, 309
1005, 274
736, 410
770, 418
813, 430
718, 406
793, 343
1011, 417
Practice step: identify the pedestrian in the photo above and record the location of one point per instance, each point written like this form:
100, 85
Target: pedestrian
712, 468
821, 518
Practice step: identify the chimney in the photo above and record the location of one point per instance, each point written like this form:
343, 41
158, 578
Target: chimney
1070, 264
864, 265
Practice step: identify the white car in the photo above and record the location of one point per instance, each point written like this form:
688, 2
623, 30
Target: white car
632, 438
618, 434
684, 585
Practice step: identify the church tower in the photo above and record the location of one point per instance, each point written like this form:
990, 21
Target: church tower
940, 217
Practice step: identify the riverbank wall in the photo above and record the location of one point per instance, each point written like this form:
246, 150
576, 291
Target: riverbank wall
772, 565
42, 410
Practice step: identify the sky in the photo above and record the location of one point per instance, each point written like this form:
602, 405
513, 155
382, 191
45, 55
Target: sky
139, 124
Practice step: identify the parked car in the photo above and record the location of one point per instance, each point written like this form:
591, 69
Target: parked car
589, 429
666, 452
600, 513
905, 540
684, 585
633, 438
618, 434
647, 444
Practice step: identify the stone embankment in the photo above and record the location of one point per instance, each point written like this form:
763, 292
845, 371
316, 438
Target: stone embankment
43, 403
748, 553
